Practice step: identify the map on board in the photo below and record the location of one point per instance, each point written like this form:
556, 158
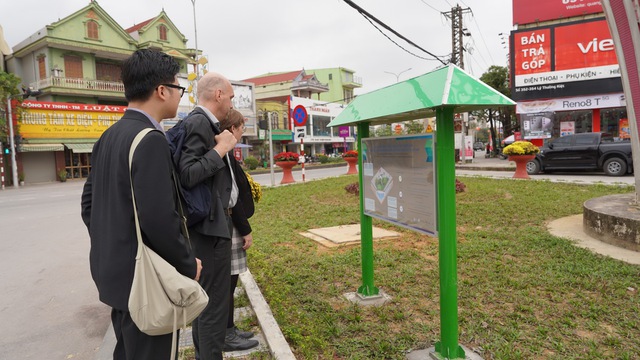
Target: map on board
399, 181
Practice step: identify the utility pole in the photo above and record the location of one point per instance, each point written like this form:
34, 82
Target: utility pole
458, 31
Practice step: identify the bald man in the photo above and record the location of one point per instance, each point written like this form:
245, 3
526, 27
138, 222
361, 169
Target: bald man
204, 159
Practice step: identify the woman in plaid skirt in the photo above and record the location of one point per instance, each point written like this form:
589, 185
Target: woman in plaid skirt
241, 239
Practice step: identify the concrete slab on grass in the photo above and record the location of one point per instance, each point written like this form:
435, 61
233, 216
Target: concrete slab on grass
345, 235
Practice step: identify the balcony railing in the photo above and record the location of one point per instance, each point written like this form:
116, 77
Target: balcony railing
78, 84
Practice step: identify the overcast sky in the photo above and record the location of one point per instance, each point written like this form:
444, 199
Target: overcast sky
246, 38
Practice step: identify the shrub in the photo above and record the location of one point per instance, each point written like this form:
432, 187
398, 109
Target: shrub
323, 159
251, 162
521, 148
353, 188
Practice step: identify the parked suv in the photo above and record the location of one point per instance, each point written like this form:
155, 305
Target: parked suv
585, 151
478, 145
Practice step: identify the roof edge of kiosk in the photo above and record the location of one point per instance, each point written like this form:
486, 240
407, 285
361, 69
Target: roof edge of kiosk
419, 98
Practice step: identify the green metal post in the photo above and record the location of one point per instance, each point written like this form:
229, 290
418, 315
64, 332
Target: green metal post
366, 225
446, 195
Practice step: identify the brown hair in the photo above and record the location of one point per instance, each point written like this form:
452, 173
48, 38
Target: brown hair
234, 118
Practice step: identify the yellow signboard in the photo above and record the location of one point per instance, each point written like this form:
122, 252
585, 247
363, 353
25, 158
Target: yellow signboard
48, 120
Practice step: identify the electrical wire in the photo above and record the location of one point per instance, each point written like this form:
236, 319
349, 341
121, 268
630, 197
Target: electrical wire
400, 46
431, 6
370, 17
482, 37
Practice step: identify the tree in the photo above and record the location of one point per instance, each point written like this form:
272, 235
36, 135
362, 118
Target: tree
8, 87
498, 78
414, 127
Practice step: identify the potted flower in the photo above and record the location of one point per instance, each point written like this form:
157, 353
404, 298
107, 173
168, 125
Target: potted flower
521, 152
62, 174
351, 157
286, 160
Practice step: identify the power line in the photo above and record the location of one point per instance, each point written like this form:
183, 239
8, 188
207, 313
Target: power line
430, 6
370, 17
482, 36
398, 45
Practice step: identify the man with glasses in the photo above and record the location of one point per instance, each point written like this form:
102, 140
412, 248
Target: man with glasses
204, 159
153, 93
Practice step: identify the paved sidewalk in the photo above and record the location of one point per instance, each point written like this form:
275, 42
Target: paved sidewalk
489, 164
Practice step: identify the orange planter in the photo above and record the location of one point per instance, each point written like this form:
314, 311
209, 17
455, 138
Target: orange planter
521, 165
352, 161
287, 176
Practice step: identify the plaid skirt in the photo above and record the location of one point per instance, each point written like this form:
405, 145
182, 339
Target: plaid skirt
238, 254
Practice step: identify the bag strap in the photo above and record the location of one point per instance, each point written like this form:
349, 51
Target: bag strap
132, 150
134, 145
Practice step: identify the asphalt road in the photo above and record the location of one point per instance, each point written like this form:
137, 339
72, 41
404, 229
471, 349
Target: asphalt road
49, 307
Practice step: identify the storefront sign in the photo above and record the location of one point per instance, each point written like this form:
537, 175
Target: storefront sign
48, 120
564, 60
572, 103
527, 11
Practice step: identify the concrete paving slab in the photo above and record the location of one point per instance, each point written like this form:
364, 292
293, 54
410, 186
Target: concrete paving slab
570, 227
430, 353
345, 235
375, 300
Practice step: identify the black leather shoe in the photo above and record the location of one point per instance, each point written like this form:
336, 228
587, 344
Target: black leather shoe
233, 342
243, 334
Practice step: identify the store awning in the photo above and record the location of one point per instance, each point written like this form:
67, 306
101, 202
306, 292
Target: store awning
282, 135
41, 147
80, 148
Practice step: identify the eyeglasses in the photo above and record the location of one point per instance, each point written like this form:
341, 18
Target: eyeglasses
182, 88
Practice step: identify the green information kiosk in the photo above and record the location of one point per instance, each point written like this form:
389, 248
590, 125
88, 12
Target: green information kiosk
442, 93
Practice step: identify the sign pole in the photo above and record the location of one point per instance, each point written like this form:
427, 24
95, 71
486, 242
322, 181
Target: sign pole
302, 154
448, 347
1, 167
366, 226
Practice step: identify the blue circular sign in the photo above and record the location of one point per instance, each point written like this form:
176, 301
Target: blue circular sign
299, 115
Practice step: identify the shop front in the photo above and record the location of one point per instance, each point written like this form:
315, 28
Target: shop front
57, 138
542, 120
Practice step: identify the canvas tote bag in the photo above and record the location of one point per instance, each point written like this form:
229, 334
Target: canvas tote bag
160, 295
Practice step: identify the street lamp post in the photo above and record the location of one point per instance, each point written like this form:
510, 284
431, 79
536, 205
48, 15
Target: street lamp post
12, 146
398, 74
14, 164
195, 35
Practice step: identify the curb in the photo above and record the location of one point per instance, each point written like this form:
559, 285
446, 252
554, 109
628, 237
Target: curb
278, 346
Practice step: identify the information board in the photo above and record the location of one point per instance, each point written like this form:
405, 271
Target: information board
399, 181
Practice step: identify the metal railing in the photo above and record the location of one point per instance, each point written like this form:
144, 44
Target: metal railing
79, 84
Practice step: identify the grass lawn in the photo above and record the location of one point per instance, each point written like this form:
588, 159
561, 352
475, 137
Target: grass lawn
523, 293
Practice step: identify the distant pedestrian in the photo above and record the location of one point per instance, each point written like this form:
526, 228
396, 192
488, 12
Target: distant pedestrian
153, 92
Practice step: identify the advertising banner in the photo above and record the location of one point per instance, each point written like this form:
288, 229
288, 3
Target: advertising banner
564, 60
527, 11
567, 128
572, 103
537, 126
53, 120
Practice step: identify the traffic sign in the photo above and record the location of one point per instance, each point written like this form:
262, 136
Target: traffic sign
300, 132
299, 115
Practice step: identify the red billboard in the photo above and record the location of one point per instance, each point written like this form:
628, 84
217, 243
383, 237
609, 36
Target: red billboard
528, 11
567, 59
584, 45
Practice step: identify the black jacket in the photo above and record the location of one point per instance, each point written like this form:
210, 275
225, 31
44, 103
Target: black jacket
107, 210
244, 208
198, 163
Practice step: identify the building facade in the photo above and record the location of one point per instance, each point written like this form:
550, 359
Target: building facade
565, 75
75, 64
277, 94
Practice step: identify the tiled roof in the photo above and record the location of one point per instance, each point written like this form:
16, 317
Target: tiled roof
274, 78
139, 26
